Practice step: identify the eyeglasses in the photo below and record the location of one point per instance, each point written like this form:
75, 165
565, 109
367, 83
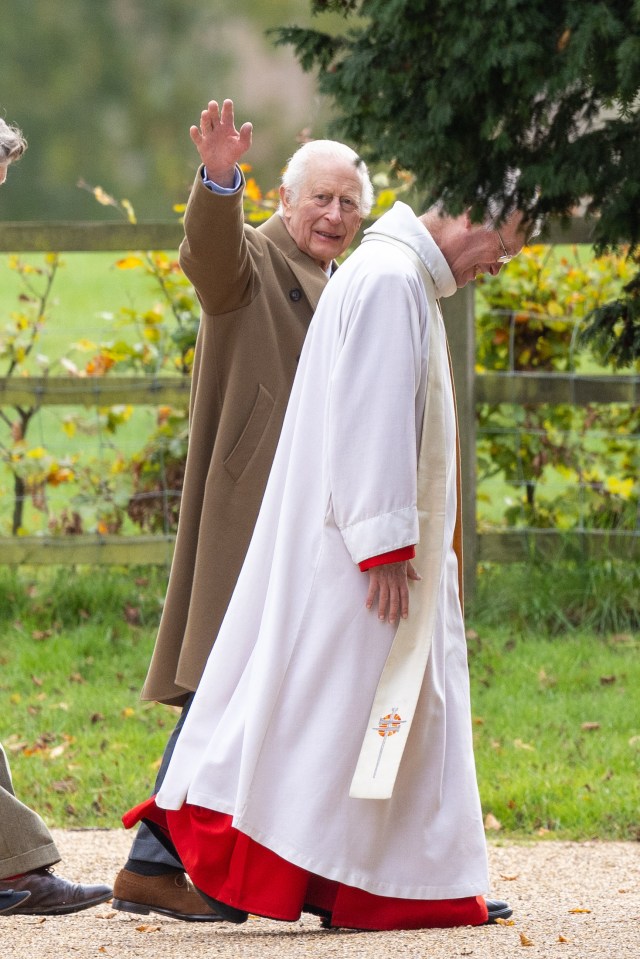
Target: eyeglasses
506, 257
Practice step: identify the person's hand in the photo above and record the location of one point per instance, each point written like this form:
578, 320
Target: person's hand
218, 142
390, 584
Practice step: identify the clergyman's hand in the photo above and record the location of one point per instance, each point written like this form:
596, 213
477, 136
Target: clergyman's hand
390, 584
218, 142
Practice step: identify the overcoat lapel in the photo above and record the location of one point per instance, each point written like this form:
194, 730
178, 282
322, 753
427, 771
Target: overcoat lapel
309, 275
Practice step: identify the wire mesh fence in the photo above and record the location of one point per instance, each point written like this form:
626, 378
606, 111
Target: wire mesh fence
93, 455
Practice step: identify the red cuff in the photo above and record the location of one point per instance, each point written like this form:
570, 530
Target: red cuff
395, 556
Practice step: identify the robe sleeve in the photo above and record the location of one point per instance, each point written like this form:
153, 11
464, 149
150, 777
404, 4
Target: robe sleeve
371, 435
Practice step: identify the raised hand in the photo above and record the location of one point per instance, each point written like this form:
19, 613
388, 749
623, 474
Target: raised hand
218, 142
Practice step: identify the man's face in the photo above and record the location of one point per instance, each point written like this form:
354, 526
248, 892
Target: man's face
325, 217
473, 249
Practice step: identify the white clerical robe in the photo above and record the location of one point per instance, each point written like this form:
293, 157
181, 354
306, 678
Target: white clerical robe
276, 726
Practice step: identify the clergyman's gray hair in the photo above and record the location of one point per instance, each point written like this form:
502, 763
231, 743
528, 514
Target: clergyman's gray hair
12, 142
297, 169
500, 209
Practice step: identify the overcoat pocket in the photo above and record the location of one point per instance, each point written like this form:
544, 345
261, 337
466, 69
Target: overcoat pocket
239, 457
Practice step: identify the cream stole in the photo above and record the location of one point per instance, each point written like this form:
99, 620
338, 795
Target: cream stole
399, 686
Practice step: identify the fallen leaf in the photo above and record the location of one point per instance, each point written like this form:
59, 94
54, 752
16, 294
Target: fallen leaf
505, 922
524, 940
490, 822
57, 751
622, 639
590, 727
147, 928
607, 680
132, 615
562, 939
518, 743
579, 910
128, 712
509, 878
64, 786
545, 680
36, 681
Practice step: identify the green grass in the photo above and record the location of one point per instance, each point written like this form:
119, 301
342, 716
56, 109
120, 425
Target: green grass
75, 646
553, 598
74, 649
557, 732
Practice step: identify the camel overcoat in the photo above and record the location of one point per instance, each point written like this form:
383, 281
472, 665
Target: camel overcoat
258, 292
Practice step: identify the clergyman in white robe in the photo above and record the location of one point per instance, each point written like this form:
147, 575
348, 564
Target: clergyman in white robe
277, 725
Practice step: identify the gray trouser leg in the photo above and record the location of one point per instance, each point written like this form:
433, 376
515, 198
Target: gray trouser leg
25, 841
145, 846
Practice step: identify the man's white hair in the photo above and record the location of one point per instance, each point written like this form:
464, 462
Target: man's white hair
12, 142
297, 170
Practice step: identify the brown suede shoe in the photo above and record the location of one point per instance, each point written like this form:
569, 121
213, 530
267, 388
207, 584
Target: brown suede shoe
171, 895
52, 895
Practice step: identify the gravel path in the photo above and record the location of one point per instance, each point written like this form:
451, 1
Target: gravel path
570, 900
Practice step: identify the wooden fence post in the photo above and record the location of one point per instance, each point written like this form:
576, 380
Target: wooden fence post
459, 318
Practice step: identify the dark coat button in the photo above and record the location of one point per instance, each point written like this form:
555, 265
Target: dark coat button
295, 294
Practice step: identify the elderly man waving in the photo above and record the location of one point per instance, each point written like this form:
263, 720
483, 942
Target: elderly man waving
258, 289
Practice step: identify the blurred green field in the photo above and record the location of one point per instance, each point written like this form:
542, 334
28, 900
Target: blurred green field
88, 293
88, 288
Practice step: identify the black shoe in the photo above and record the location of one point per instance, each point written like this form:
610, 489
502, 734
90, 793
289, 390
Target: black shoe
225, 912
10, 899
497, 910
50, 895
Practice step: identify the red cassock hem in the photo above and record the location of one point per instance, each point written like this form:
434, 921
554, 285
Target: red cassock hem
229, 866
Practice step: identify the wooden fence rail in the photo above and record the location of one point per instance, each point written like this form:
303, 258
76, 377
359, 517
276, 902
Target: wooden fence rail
471, 388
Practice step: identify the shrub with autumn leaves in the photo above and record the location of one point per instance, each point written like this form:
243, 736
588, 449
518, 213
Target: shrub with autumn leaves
528, 318
569, 466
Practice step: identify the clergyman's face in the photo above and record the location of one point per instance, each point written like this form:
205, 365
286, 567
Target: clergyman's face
478, 249
324, 218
